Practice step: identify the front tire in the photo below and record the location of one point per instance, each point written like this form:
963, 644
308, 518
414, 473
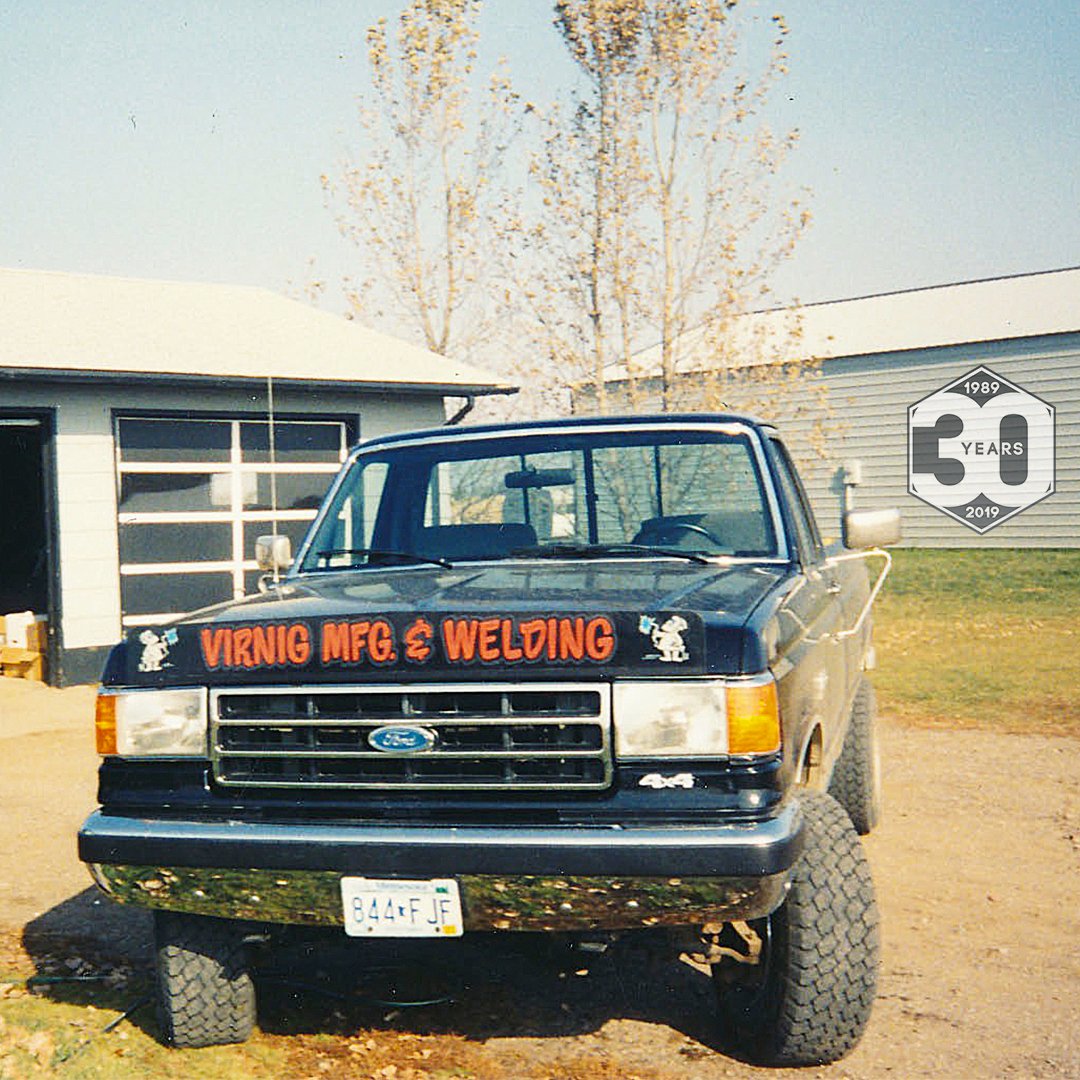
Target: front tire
804, 997
856, 779
206, 996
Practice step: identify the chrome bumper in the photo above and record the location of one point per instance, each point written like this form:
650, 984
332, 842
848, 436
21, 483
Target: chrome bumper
313, 897
528, 878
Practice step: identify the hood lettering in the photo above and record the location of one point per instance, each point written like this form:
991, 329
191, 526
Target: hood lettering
513, 641
354, 642
458, 641
251, 647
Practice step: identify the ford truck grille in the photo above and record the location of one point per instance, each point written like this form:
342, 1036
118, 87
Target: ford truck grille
549, 737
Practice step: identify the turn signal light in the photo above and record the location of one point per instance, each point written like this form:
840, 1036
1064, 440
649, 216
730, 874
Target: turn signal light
753, 718
105, 724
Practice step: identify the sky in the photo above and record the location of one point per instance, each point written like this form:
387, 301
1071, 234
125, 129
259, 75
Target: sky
940, 141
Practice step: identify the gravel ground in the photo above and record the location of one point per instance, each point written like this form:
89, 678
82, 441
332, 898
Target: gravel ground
976, 867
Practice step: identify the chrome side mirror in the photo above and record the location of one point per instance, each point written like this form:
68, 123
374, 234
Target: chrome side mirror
273, 553
871, 528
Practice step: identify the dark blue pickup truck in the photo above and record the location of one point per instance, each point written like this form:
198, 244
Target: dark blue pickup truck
574, 676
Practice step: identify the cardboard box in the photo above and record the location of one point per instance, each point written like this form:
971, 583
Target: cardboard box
22, 664
24, 639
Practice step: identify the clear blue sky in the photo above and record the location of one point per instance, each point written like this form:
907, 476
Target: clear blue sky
185, 140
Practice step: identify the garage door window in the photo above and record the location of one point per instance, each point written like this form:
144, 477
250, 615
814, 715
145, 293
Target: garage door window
193, 494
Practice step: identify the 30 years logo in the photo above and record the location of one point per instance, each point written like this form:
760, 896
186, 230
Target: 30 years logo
981, 449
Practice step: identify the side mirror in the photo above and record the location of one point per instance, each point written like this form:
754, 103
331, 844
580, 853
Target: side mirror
871, 528
852, 472
273, 553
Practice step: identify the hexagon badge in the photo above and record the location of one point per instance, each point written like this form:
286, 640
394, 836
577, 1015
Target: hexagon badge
981, 449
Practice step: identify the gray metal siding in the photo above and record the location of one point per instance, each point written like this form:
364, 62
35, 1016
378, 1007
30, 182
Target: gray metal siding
868, 401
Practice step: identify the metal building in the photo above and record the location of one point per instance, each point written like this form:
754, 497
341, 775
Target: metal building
135, 465
878, 355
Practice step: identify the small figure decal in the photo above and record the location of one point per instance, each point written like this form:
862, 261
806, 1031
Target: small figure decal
156, 649
667, 637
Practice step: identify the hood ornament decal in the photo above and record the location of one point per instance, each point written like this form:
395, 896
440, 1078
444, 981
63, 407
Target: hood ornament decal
667, 638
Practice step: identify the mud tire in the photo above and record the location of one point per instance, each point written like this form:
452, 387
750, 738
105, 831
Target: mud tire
856, 779
205, 994
808, 999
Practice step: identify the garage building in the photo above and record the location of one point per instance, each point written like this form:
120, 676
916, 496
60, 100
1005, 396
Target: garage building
135, 447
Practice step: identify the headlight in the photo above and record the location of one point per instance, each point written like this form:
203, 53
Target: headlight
696, 718
158, 723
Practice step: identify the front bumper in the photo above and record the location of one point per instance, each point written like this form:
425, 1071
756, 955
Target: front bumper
528, 878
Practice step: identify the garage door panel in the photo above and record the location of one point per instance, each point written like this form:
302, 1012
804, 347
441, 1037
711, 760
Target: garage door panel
302, 491
154, 594
293, 442
173, 439
188, 490
150, 492
176, 543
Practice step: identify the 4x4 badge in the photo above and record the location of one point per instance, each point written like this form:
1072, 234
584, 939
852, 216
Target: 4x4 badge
658, 782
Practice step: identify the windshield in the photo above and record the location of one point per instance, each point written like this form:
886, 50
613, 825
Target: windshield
673, 492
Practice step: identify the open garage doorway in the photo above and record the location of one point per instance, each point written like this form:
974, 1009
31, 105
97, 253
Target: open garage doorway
25, 533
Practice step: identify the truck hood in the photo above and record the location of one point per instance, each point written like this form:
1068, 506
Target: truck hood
532, 619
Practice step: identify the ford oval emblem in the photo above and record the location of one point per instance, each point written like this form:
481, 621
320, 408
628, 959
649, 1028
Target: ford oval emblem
397, 739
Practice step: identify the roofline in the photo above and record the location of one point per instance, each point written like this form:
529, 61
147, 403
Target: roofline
243, 381
797, 306
916, 289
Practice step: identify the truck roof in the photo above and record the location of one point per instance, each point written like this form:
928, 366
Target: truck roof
568, 424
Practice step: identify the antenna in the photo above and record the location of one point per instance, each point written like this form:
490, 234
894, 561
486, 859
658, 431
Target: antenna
273, 469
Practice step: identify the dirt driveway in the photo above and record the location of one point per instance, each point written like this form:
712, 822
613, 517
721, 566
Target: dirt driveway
978, 875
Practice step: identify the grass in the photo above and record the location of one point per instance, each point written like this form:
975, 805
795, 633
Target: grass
66, 1029
981, 639
64, 1016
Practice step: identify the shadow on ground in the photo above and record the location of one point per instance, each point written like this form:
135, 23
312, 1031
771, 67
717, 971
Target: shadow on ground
90, 926
89, 950
484, 986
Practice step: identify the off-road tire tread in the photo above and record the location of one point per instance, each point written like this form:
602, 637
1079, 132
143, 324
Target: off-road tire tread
825, 979
852, 784
206, 996
833, 940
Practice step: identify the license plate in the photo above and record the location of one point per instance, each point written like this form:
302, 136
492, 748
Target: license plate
387, 907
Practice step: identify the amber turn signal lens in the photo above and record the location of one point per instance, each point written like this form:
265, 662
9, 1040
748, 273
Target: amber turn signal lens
753, 718
105, 724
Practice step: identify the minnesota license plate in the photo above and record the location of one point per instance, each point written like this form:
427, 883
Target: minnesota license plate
387, 907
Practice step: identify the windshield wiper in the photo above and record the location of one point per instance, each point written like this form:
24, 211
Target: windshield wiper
601, 551
381, 553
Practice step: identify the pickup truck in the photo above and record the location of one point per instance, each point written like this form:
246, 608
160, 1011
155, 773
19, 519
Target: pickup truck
575, 676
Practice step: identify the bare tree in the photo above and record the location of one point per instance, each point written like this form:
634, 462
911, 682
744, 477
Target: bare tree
659, 225
417, 197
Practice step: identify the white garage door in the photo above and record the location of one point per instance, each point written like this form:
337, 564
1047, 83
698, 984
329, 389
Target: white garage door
194, 493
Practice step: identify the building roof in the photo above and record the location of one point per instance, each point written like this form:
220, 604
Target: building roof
79, 326
1028, 305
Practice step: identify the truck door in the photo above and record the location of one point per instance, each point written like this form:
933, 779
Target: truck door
814, 608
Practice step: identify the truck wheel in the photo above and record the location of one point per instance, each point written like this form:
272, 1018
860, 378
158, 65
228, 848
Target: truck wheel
856, 780
205, 992
802, 987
